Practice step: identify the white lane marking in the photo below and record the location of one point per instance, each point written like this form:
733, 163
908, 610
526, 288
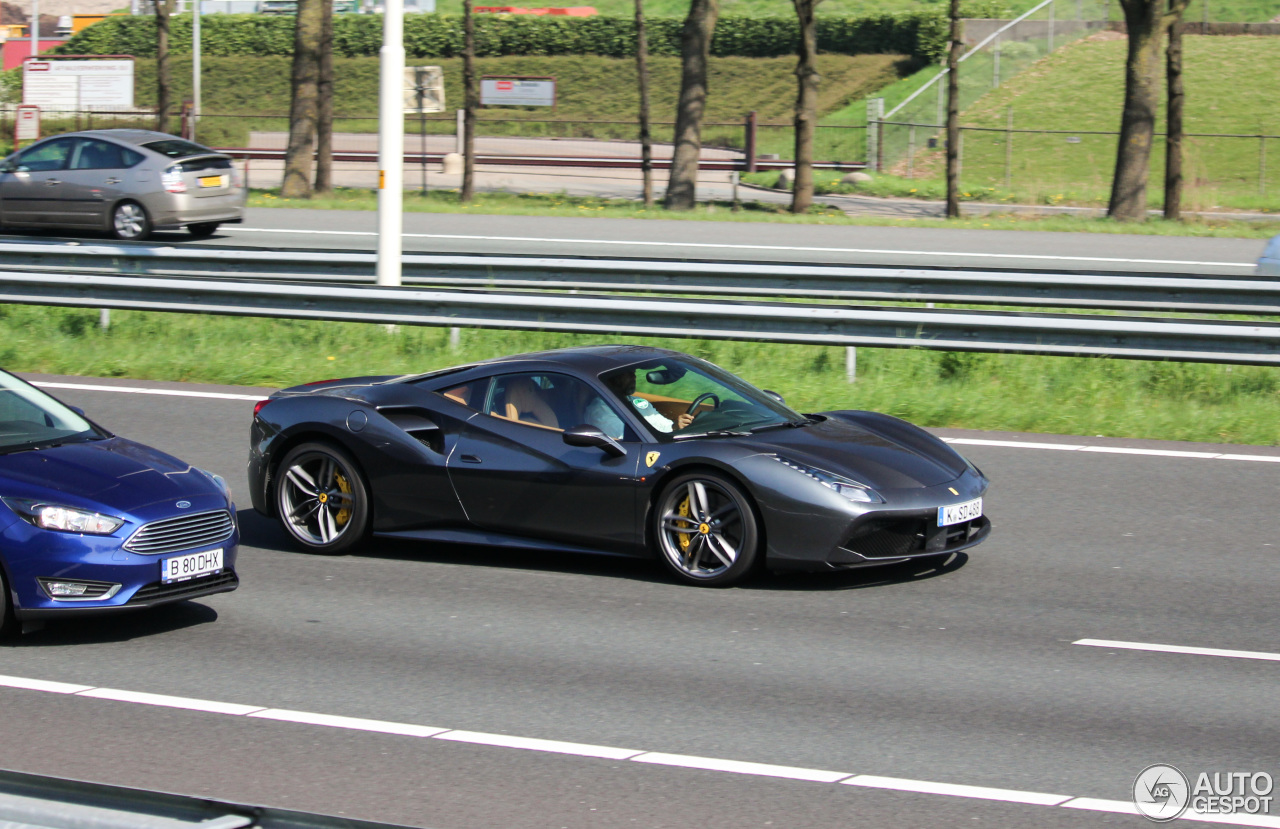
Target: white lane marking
1093, 804
210, 706
802, 248
1110, 450
954, 790
1182, 649
740, 767
42, 685
534, 744
612, 753
354, 723
210, 395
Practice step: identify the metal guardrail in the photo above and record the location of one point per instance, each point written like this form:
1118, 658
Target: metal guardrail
33, 801
1024, 333
1042, 289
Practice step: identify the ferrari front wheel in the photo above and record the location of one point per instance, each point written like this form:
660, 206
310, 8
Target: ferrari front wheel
321, 498
706, 530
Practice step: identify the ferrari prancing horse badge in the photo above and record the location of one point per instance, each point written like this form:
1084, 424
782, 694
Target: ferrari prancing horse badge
651, 459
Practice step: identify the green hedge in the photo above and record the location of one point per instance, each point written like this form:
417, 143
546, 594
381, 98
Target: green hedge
920, 35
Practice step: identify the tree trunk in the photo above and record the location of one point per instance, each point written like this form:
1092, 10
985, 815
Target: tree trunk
806, 117
953, 113
1144, 20
164, 82
303, 109
695, 50
324, 104
1173, 144
471, 93
642, 76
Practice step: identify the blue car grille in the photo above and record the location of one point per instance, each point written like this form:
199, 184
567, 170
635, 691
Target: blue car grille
155, 592
183, 533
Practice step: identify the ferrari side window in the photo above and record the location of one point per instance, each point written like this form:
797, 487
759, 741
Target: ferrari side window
470, 395
554, 401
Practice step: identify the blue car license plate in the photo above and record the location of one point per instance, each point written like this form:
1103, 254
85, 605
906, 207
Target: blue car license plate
190, 566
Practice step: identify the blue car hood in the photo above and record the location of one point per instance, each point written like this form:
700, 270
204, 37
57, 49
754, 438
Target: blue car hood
115, 474
882, 452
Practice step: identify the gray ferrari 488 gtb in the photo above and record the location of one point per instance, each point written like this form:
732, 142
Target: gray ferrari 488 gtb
614, 449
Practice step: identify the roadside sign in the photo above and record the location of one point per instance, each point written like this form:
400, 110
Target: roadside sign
77, 84
423, 89
511, 90
26, 123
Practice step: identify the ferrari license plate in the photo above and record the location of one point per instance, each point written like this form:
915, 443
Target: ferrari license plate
956, 513
213, 181
190, 566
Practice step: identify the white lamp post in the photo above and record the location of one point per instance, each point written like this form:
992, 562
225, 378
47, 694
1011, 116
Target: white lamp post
195, 67
391, 144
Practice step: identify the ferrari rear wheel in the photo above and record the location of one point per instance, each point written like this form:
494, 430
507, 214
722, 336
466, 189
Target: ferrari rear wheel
706, 530
321, 498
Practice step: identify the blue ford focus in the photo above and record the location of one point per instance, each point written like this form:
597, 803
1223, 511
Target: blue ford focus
94, 523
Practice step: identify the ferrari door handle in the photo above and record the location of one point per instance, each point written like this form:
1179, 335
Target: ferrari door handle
471, 459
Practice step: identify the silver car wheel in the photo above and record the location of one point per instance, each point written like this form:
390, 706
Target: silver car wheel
320, 498
706, 531
130, 221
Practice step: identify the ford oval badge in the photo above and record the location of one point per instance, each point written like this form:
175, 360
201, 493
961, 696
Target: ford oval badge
182, 504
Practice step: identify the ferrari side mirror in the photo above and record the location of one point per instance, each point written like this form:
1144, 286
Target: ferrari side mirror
592, 436
774, 395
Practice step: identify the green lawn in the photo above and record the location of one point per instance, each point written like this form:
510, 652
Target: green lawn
1232, 87
980, 391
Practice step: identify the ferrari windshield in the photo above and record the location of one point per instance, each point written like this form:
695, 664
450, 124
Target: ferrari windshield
683, 397
31, 419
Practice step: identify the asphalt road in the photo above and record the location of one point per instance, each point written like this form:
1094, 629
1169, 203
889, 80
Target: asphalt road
297, 228
964, 675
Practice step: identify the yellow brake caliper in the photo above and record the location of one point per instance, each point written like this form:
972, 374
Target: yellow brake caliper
684, 538
344, 514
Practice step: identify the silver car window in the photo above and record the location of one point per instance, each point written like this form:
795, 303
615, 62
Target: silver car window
51, 155
93, 154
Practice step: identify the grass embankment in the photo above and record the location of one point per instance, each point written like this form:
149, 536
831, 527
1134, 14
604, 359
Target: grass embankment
981, 391
552, 204
1081, 88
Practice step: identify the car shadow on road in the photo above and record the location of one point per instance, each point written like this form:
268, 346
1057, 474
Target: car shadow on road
121, 627
265, 533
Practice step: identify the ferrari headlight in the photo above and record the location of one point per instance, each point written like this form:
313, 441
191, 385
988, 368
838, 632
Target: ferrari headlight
64, 519
850, 489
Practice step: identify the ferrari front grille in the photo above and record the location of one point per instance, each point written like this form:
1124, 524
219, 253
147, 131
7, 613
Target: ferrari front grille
186, 532
888, 538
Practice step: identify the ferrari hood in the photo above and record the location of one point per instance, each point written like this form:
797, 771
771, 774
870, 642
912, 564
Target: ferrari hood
116, 474
882, 452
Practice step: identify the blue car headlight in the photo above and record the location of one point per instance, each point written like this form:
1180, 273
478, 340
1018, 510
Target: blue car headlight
220, 482
847, 487
63, 518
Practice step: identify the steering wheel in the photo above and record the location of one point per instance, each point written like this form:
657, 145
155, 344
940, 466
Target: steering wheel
697, 401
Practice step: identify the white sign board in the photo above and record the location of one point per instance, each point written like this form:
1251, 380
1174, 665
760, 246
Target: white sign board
538, 92
423, 89
78, 84
26, 124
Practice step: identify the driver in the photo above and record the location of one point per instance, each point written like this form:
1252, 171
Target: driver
599, 414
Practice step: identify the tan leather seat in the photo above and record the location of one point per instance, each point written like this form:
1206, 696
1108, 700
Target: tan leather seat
524, 402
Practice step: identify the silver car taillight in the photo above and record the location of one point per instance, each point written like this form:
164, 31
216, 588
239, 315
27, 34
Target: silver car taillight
237, 180
171, 180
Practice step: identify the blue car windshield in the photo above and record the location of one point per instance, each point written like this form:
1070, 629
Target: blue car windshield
30, 419
684, 397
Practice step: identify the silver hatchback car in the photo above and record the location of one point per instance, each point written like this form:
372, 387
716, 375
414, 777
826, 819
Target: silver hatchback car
124, 182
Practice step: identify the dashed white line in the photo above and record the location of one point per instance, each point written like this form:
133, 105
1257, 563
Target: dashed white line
955, 790
209, 395
1110, 450
713, 764
725, 246
1180, 649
